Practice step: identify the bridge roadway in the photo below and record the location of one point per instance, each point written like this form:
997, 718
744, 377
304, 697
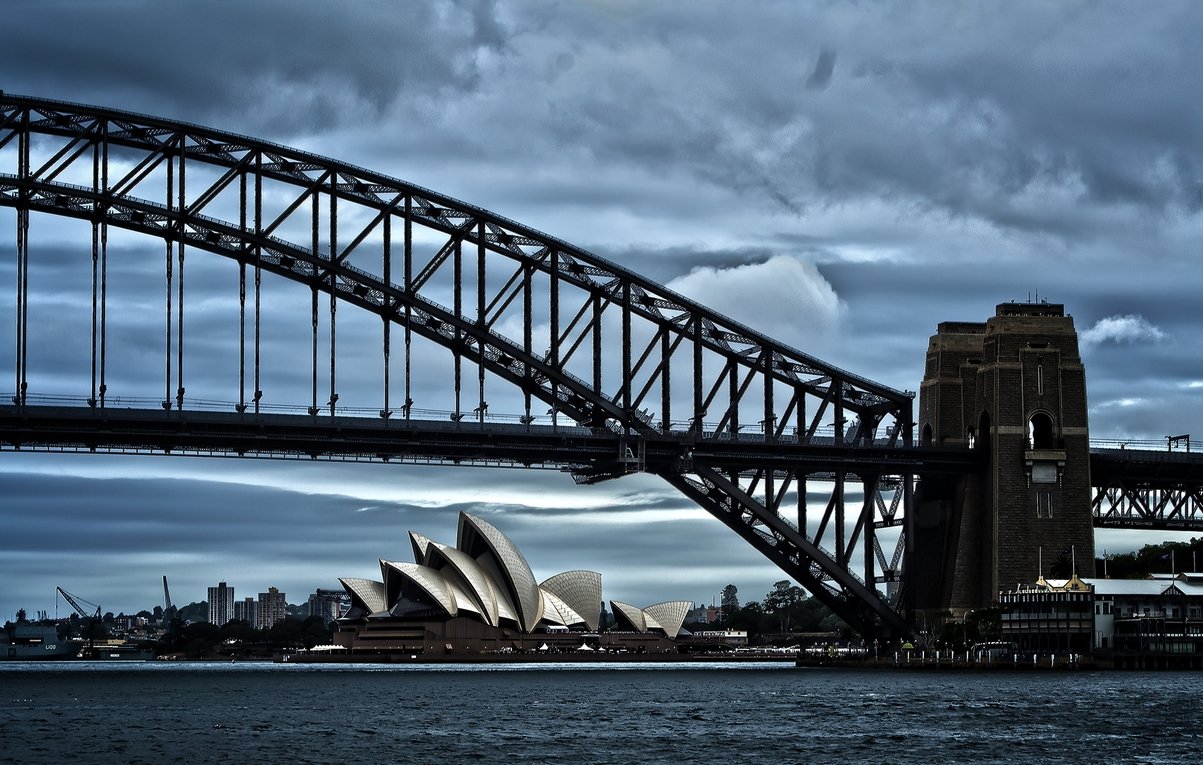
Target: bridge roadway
587, 452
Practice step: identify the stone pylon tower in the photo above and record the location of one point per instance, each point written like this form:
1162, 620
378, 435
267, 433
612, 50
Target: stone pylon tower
1013, 389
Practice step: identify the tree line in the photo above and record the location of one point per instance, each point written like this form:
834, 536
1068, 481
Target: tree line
785, 610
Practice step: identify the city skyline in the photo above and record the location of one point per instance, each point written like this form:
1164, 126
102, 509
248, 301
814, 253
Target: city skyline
839, 178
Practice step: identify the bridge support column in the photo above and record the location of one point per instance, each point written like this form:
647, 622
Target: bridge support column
1013, 389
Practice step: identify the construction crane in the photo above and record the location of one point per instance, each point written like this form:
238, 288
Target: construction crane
91, 619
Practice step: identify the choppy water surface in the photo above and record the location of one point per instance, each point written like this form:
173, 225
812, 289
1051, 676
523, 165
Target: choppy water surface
562, 714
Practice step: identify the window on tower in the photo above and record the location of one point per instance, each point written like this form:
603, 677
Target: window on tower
1040, 431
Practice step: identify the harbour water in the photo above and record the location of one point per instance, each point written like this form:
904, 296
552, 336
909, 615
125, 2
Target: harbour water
602, 713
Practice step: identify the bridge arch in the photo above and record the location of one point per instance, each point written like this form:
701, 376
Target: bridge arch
621, 353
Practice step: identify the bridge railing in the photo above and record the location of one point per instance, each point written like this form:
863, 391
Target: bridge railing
1167, 444
709, 432
211, 405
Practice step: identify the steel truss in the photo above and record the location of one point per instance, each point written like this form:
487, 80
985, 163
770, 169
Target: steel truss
621, 353
1145, 488
1140, 505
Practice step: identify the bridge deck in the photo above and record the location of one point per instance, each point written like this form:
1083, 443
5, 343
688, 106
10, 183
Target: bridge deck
570, 447
1148, 464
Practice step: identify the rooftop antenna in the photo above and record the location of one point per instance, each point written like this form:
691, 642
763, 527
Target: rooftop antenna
1073, 559
1039, 562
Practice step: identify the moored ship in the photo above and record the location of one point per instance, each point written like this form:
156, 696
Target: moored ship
32, 642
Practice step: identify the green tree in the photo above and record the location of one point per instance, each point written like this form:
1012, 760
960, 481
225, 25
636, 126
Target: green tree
750, 617
286, 633
315, 632
785, 603
195, 640
729, 600
1158, 558
983, 625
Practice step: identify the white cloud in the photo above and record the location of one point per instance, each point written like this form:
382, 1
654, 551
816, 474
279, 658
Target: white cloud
783, 297
1122, 330
1124, 403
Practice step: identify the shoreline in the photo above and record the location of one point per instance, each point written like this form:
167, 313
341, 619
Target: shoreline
527, 658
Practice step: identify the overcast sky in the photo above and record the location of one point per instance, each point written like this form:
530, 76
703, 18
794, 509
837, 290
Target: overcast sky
840, 176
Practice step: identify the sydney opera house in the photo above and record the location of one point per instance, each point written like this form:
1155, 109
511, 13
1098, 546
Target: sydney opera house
480, 596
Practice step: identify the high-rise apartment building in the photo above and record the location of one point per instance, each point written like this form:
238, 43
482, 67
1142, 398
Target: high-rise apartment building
328, 604
244, 611
221, 604
272, 608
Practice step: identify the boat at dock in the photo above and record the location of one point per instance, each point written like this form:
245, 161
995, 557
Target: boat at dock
34, 642
115, 652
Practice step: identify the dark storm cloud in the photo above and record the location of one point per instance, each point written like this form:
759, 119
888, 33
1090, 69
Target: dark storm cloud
820, 76
935, 106
287, 65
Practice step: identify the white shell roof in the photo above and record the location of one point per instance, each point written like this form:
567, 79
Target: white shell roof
633, 614
670, 614
463, 601
426, 578
421, 545
478, 586
557, 611
581, 591
368, 594
515, 571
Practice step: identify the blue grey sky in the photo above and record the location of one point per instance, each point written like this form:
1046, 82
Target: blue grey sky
840, 176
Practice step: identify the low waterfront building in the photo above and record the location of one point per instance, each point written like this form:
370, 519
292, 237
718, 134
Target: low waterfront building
1049, 618
1160, 615
735, 638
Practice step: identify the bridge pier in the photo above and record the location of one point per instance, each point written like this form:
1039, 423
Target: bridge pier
1013, 390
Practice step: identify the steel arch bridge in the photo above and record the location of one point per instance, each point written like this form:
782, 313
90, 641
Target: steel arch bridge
632, 377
